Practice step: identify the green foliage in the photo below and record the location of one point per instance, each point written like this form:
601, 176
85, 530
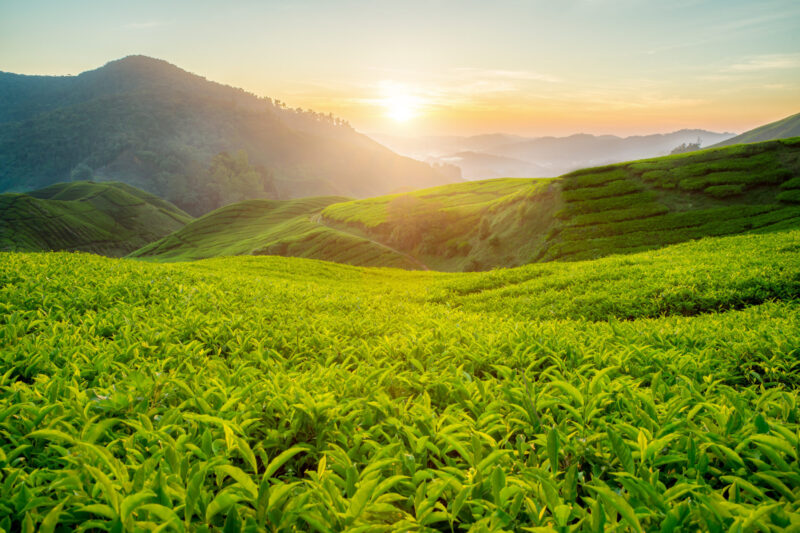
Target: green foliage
635, 199
612, 188
791, 196
621, 208
723, 191
231, 179
645, 392
108, 218
272, 227
676, 198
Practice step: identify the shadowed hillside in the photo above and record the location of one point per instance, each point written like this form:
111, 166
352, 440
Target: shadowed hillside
272, 227
105, 218
150, 124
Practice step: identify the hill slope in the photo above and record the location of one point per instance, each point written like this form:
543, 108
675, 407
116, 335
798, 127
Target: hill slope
152, 125
106, 218
272, 227
781, 129
588, 213
651, 392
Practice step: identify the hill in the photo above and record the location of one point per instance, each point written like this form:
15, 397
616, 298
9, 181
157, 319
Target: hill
509, 155
651, 392
199, 144
588, 213
781, 129
105, 218
272, 227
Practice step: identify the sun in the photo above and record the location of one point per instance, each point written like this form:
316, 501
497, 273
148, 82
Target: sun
400, 107
399, 101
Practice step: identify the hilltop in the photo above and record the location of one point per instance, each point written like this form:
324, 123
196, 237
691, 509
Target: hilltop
781, 129
199, 144
105, 218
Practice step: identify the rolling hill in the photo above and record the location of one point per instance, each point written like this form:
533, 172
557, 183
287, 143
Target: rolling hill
508, 222
272, 227
781, 129
150, 124
589, 213
106, 218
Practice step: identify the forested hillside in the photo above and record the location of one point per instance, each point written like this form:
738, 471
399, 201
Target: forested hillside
199, 144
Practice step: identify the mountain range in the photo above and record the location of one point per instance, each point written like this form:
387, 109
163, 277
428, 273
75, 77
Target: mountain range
502, 155
196, 143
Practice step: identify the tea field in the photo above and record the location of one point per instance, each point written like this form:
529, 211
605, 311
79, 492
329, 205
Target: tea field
109, 218
655, 391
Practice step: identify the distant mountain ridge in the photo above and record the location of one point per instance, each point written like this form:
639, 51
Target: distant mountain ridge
155, 126
542, 156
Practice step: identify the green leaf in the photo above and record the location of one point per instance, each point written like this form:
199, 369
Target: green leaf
281, 459
618, 502
220, 504
241, 478
622, 451
165, 514
50, 521
553, 449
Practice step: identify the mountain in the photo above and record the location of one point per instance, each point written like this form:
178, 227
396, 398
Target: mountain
474, 164
781, 129
196, 143
543, 156
106, 218
619, 208
272, 227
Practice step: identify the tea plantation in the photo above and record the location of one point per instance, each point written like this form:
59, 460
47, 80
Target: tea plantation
589, 213
656, 391
109, 218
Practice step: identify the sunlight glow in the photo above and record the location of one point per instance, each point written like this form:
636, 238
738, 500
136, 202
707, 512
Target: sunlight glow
399, 103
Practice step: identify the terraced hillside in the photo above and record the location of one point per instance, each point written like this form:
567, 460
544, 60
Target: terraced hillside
657, 391
467, 226
619, 208
107, 218
651, 203
272, 227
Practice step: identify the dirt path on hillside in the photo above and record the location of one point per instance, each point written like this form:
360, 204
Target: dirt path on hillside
317, 219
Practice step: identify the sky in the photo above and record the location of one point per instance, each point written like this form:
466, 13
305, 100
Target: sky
450, 67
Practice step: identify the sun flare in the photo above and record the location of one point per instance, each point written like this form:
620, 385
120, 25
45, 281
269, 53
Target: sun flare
399, 102
400, 108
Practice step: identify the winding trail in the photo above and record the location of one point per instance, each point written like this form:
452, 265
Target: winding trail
317, 219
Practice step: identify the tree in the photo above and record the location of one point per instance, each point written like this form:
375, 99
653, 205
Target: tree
687, 147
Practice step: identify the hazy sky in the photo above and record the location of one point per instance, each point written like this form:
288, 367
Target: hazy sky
446, 66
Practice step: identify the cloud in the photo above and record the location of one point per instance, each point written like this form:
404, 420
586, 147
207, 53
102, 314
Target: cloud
765, 62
